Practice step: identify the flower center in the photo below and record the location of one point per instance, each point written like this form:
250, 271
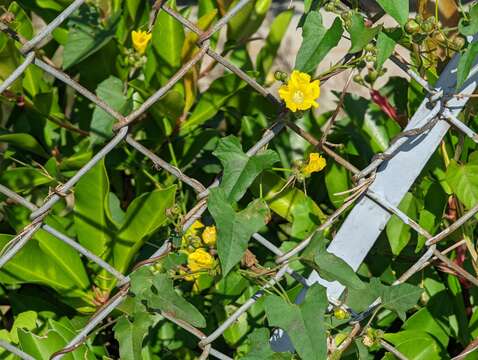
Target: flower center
298, 97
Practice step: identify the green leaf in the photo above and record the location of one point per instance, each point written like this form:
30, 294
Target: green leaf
260, 347
317, 41
240, 170
303, 323
67, 332
304, 220
113, 210
130, 334
278, 28
62, 254
110, 91
21, 23
398, 9
467, 58
25, 142
132, 6
234, 229
399, 233
463, 179
336, 180
42, 347
86, 37
236, 332
424, 320
400, 298
360, 35
416, 345
385, 47
329, 266
247, 21
144, 215
90, 218
24, 267
21, 179
168, 37
25, 320
221, 90
469, 27
164, 297
284, 202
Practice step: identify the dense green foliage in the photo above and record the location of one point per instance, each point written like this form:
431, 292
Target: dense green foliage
124, 208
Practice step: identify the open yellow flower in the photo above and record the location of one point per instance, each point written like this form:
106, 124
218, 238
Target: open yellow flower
199, 260
140, 40
315, 164
300, 93
209, 235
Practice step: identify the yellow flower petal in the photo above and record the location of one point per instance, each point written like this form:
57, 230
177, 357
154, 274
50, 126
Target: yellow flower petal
140, 40
209, 235
200, 260
300, 93
316, 163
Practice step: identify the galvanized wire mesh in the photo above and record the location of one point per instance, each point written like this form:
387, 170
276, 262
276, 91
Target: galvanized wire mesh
444, 110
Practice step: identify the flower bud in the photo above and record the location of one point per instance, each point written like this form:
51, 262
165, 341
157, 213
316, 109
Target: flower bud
412, 27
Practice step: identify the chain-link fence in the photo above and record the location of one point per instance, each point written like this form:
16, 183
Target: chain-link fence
377, 193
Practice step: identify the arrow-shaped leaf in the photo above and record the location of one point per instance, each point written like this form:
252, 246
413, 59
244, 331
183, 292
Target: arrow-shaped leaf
240, 170
303, 323
165, 297
234, 229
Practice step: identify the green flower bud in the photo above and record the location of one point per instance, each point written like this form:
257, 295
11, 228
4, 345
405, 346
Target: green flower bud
340, 314
459, 42
412, 27
280, 76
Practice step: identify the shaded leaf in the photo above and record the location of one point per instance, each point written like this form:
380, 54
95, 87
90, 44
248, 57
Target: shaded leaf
284, 202
21, 179
212, 100
25, 142
234, 229
144, 215
399, 233
110, 91
86, 37
164, 297
260, 348
469, 27
329, 266
130, 334
303, 323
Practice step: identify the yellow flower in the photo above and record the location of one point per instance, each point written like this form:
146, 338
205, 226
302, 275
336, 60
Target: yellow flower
199, 260
315, 164
209, 235
300, 93
140, 40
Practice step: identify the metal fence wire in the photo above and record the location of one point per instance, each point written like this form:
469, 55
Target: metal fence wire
377, 193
